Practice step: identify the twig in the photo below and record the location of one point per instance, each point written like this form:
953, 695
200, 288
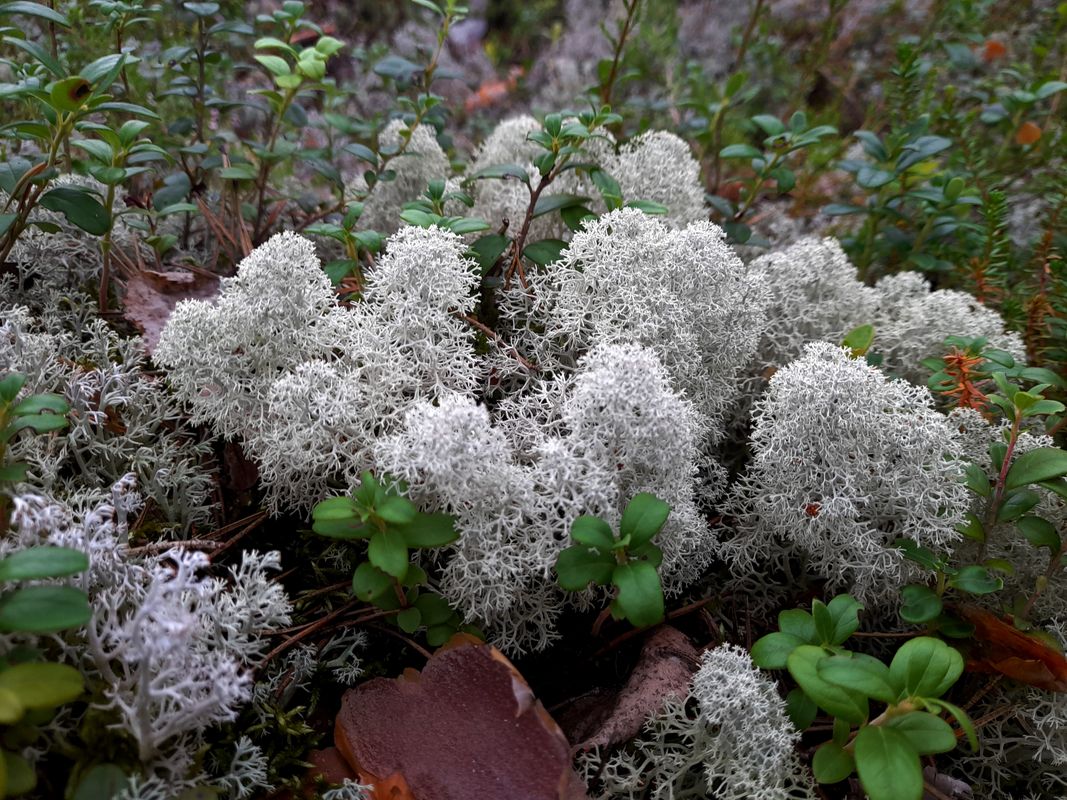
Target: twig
932, 790
888, 635
470, 320
411, 643
625, 637
310, 629
162, 547
255, 523
609, 85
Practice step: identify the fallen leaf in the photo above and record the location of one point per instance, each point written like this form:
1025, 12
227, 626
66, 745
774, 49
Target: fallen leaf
466, 727
151, 297
1000, 647
664, 669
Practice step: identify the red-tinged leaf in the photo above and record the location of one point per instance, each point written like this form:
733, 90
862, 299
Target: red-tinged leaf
1028, 133
1002, 648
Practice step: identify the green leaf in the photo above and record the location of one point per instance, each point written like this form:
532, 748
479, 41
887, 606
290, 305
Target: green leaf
43, 562
961, 717
105, 781
927, 732
502, 171
799, 623
644, 517
1039, 532
832, 763
800, 708
334, 508
844, 610
887, 764
70, 94
36, 403
578, 566
978, 481
435, 609
925, 667
419, 218
868, 676
44, 609
38, 53
976, 580
40, 423
1049, 88
43, 685
11, 710
36, 10
276, 65
430, 530
547, 203
409, 620
740, 151
770, 125
1016, 504
273, 43
1058, 486
127, 108
388, 551
21, 777
80, 208
238, 172
465, 225
1033, 466
369, 583
921, 604
824, 622
842, 209
545, 251
11, 385
341, 528
13, 472
103, 71
772, 651
593, 532
648, 207
575, 216
847, 704
488, 249
640, 596
609, 188
397, 510
859, 340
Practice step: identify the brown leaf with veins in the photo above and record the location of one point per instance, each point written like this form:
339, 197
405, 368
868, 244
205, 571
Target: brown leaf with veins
467, 727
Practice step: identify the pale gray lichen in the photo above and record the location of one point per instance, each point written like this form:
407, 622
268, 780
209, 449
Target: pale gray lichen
122, 420
309, 385
730, 740
844, 462
628, 278
815, 296
169, 646
659, 166
418, 160
912, 322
